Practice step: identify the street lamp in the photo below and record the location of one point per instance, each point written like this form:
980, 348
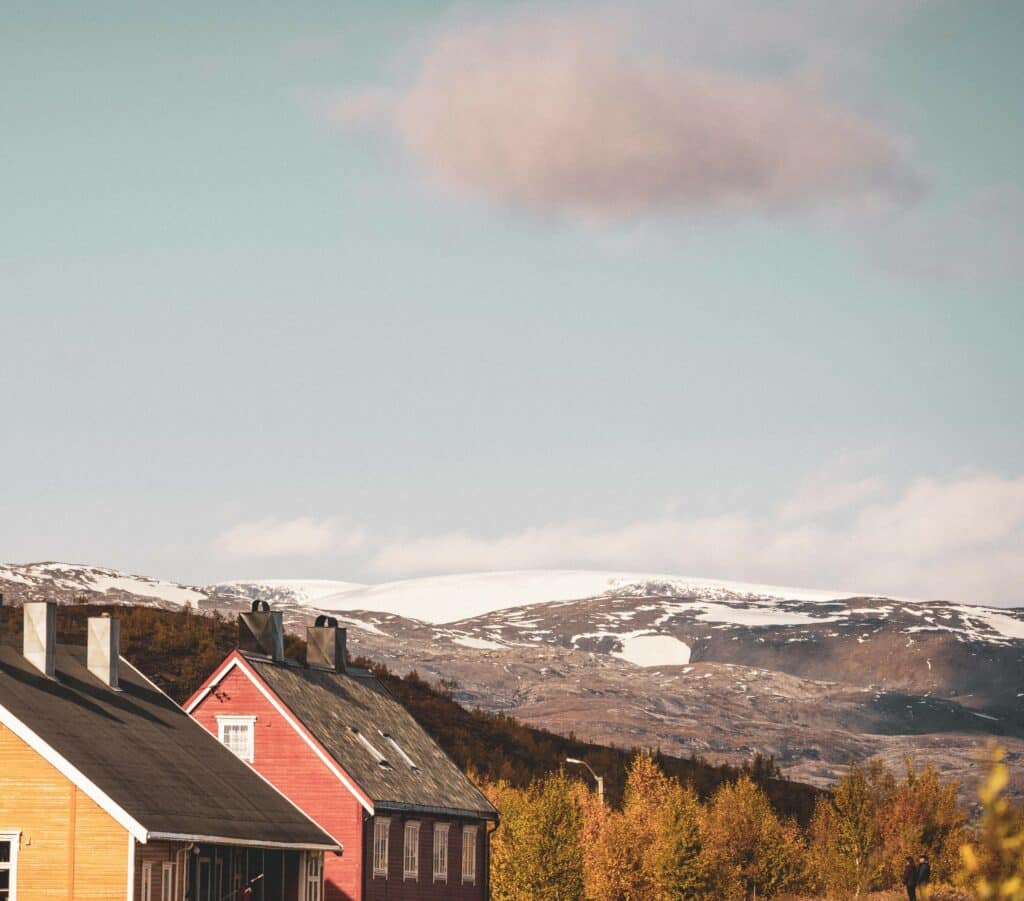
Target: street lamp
598, 779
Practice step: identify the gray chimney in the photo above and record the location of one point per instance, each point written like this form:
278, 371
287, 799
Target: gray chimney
104, 649
325, 644
261, 632
40, 638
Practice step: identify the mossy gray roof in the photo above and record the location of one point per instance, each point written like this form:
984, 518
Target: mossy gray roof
147, 755
338, 708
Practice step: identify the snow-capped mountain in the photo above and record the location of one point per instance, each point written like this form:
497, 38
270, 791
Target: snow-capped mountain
442, 599
68, 582
720, 669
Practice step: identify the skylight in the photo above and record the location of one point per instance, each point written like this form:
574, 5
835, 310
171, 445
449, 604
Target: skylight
366, 743
401, 753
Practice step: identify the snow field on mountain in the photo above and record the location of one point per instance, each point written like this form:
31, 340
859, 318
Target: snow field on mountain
441, 599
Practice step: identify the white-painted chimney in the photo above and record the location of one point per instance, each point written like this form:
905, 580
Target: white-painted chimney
104, 648
40, 638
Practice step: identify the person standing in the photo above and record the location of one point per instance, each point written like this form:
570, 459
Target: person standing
924, 872
910, 878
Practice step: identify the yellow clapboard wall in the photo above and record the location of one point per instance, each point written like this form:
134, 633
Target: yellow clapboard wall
70, 847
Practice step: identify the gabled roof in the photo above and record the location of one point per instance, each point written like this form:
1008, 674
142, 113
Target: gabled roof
142, 758
357, 721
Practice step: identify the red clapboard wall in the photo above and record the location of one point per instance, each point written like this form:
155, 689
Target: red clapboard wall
287, 761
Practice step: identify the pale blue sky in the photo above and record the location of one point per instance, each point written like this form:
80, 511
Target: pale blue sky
242, 338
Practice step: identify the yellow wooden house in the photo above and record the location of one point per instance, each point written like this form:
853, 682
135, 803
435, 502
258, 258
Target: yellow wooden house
108, 790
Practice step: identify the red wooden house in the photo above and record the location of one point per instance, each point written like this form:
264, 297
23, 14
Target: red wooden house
338, 744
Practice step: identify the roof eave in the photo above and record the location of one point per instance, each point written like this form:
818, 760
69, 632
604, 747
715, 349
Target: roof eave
244, 842
451, 812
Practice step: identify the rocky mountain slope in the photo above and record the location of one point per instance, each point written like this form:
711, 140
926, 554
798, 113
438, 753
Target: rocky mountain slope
690, 666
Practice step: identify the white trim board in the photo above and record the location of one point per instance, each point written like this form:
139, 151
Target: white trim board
238, 661
131, 868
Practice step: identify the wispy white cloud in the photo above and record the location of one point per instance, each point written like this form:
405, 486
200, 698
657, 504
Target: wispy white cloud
959, 538
560, 116
829, 491
301, 537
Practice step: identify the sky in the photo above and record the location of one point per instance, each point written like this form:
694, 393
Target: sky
366, 291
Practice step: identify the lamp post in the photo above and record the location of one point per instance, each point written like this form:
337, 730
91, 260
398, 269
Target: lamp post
598, 779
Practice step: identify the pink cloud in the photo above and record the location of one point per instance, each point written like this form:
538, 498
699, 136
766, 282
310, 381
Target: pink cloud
557, 118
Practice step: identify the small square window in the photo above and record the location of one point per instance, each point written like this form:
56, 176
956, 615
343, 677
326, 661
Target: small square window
237, 734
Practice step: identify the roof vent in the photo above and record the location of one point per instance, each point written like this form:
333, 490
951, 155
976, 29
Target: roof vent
261, 631
326, 644
104, 649
40, 638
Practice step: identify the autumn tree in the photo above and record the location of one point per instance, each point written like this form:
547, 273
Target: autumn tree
651, 849
749, 851
847, 848
993, 866
923, 815
536, 853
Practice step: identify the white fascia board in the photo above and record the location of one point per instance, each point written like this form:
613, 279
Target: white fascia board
238, 661
214, 681
70, 772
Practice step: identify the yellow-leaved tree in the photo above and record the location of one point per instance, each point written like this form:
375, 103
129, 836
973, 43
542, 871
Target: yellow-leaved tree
536, 853
993, 866
651, 849
749, 851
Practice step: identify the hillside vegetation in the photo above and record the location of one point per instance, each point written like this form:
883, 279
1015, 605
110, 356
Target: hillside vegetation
178, 649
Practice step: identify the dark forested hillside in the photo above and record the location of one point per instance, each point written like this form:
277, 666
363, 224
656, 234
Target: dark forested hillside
178, 649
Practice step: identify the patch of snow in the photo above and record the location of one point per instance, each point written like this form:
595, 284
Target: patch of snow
147, 588
1005, 625
359, 624
481, 644
654, 650
757, 616
305, 591
9, 575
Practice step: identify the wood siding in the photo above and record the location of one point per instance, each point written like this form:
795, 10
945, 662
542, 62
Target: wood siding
70, 848
397, 888
157, 853
284, 759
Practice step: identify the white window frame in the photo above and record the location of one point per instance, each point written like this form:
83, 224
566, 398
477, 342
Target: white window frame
440, 854
314, 881
469, 855
411, 851
11, 866
250, 722
146, 889
167, 875
381, 845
